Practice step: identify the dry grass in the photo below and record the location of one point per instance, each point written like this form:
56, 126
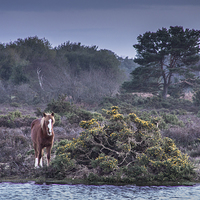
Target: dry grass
187, 137
144, 95
24, 109
188, 95
14, 145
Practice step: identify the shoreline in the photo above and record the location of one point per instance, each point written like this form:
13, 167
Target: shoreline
71, 181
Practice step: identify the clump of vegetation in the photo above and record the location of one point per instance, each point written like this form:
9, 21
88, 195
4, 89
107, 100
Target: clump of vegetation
124, 148
73, 113
13, 146
196, 98
63, 162
172, 119
187, 137
60, 105
57, 119
15, 119
129, 102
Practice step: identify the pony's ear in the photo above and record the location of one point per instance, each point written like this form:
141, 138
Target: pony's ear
44, 115
52, 114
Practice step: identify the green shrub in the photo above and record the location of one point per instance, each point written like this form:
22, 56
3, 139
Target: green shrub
98, 116
72, 117
196, 98
154, 118
154, 112
195, 152
106, 163
172, 119
179, 112
57, 119
135, 171
176, 91
63, 161
59, 106
83, 114
198, 114
15, 119
108, 102
118, 149
127, 102
185, 137
169, 103
38, 112
126, 108
31, 152
15, 114
78, 115
14, 104
64, 108
93, 178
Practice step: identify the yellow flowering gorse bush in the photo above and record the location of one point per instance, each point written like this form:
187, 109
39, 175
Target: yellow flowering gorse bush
127, 145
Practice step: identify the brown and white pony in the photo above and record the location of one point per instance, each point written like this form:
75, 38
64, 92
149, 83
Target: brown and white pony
42, 135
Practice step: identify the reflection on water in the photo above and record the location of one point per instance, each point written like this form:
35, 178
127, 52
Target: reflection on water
33, 191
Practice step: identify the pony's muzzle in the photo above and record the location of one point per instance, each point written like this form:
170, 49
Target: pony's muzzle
49, 133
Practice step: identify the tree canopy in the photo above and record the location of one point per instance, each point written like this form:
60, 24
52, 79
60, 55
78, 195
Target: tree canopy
32, 71
162, 55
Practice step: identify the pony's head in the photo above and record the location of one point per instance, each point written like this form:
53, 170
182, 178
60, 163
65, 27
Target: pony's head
47, 122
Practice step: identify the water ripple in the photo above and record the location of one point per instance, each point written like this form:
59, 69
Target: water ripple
31, 191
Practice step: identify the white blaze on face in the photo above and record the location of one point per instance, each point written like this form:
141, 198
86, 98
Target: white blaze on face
49, 126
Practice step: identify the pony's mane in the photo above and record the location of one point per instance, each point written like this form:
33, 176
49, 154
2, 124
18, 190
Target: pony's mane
43, 118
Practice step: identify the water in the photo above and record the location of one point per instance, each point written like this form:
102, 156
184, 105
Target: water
32, 191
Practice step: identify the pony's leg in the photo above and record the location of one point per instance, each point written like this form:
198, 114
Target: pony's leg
41, 163
40, 157
36, 155
48, 149
36, 162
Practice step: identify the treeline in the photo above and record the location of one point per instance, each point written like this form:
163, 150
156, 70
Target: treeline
167, 63
32, 71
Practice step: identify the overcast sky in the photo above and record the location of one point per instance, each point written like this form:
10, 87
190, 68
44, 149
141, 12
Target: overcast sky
108, 24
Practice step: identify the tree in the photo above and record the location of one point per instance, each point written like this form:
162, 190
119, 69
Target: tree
6, 63
86, 73
33, 49
163, 54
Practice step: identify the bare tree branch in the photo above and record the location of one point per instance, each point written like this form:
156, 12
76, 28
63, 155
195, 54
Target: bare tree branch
40, 78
